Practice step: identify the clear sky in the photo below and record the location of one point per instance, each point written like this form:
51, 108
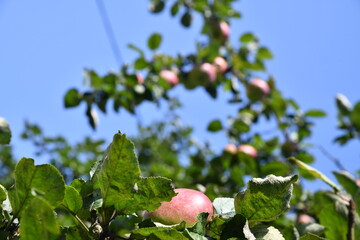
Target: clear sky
45, 45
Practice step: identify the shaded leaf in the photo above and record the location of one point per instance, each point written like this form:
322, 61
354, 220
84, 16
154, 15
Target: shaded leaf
72, 98
355, 116
310, 236
215, 126
348, 182
265, 199
315, 113
5, 132
237, 228
156, 6
200, 226
154, 41
186, 19
264, 53
38, 221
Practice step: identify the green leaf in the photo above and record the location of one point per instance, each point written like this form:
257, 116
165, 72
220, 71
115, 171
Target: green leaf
154, 41
186, 19
147, 194
38, 221
72, 98
248, 37
265, 199
313, 228
43, 181
215, 126
264, 53
355, 116
174, 9
237, 228
135, 48
310, 236
156, 6
2, 194
315, 113
5, 132
348, 182
200, 226
224, 207
315, 173
158, 233
343, 104
72, 199
140, 63
267, 233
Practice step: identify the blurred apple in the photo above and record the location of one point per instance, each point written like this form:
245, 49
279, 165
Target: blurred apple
139, 78
224, 29
209, 70
220, 64
169, 76
230, 148
257, 89
247, 149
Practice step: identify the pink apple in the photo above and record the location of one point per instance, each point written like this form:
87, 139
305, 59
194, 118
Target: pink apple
185, 206
247, 149
358, 182
220, 64
224, 29
209, 70
169, 76
257, 89
139, 78
230, 148
304, 219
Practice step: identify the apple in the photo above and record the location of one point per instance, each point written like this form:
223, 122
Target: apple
304, 219
139, 78
209, 70
247, 149
169, 76
288, 148
230, 148
224, 29
257, 89
220, 64
185, 206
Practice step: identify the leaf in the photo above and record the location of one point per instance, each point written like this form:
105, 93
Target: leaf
315, 113
343, 104
154, 41
159, 233
215, 126
147, 195
310, 236
174, 9
38, 221
264, 53
2, 194
348, 182
135, 48
72, 98
315, 173
247, 37
200, 226
186, 19
355, 116
72, 199
92, 116
44, 181
238, 228
267, 233
156, 6
224, 207
313, 228
5, 132
265, 199
118, 177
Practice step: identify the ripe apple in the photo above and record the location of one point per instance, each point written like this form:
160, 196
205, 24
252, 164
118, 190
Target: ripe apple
230, 148
169, 76
220, 64
257, 89
224, 29
185, 206
139, 78
247, 149
209, 70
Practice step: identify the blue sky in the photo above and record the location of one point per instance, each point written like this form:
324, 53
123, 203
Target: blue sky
45, 45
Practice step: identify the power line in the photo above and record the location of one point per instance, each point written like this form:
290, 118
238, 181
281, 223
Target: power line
109, 31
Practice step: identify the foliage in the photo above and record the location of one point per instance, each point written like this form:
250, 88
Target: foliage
87, 192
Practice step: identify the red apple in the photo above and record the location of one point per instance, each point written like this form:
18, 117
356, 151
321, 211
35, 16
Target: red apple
247, 149
224, 29
169, 76
220, 64
230, 148
139, 78
185, 206
209, 70
257, 89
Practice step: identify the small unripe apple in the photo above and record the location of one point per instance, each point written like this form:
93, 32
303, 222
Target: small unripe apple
224, 29
304, 219
257, 89
247, 149
185, 206
288, 148
230, 148
209, 70
139, 78
220, 64
169, 76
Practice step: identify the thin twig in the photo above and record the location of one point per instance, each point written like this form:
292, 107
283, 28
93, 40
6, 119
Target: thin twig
332, 158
